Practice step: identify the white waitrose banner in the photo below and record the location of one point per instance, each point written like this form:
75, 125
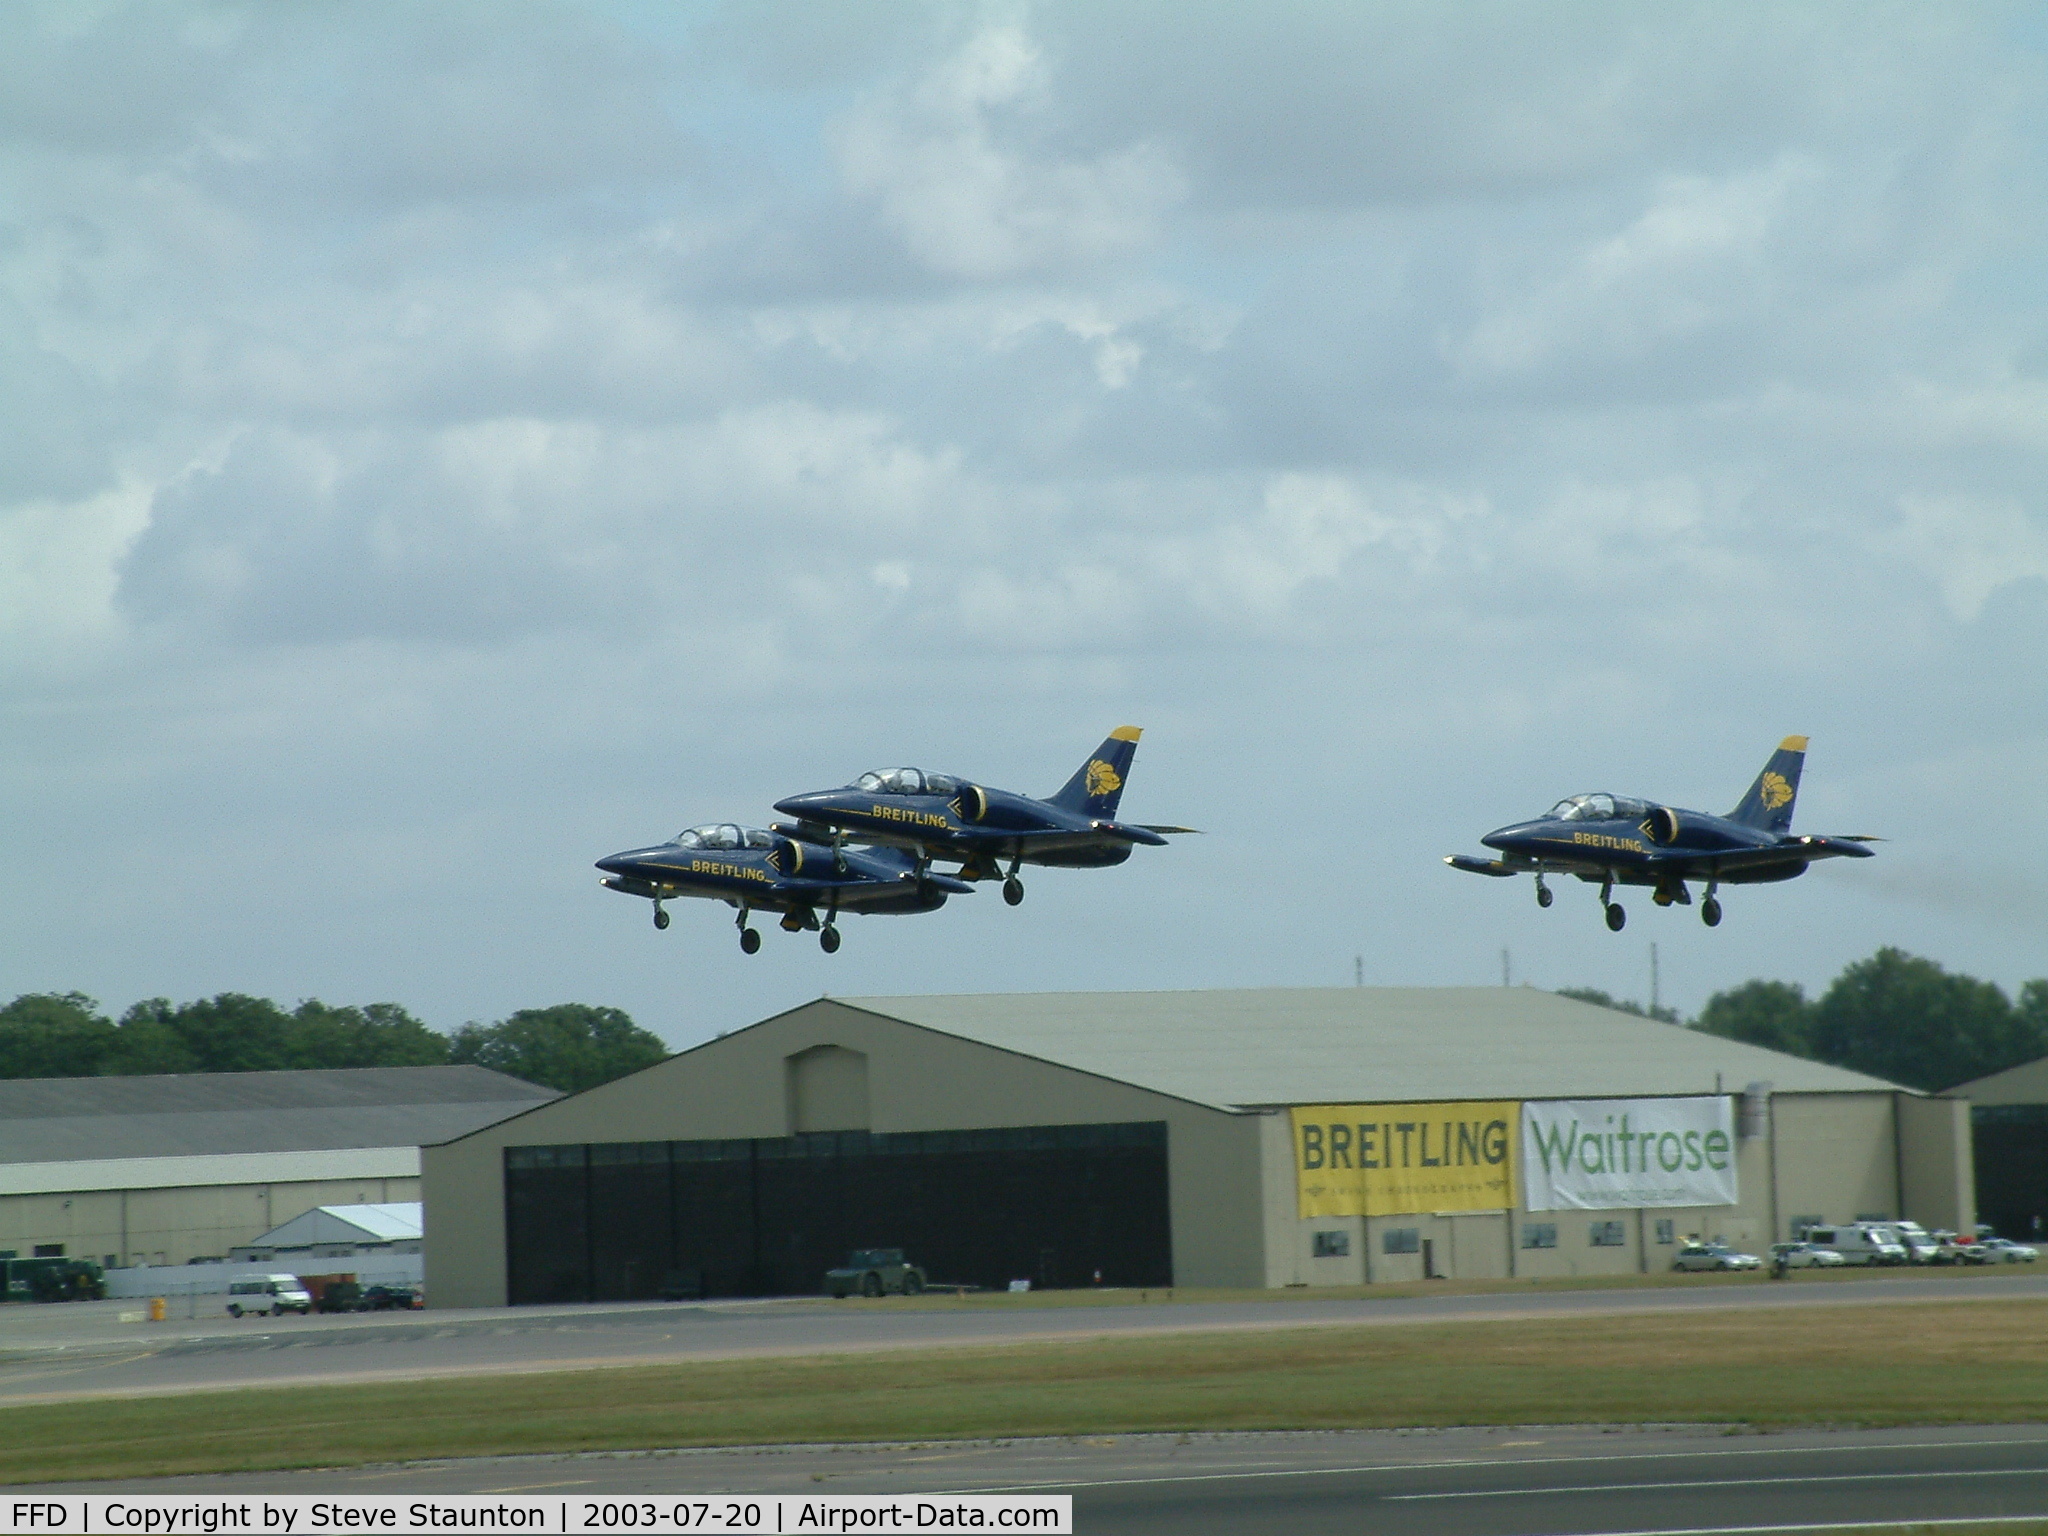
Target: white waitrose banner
1614, 1154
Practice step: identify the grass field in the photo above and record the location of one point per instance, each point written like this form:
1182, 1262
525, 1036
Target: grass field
1936, 1362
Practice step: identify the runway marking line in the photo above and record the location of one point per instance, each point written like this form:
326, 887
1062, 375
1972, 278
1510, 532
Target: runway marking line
1523, 1461
574, 1482
1721, 1482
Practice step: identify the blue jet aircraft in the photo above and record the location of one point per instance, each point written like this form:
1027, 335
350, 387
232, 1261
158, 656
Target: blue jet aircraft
1616, 841
774, 871
936, 815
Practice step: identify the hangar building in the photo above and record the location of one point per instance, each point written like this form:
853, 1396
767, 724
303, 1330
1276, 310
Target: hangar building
1224, 1138
161, 1170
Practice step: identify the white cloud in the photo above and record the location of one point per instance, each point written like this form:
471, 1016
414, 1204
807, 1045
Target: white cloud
1969, 547
970, 202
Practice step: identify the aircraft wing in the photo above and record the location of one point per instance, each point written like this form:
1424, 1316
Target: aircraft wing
1792, 850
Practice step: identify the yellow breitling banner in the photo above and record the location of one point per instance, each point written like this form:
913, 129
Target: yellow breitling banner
1396, 1159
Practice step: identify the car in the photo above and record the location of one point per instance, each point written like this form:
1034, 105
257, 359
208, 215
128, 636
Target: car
340, 1296
271, 1295
1714, 1256
875, 1272
392, 1298
1805, 1256
2003, 1250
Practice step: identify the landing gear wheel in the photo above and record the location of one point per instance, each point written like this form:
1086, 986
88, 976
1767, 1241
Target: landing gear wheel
828, 939
1013, 890
1710, 912
660, 918
750, 940
1544, 894
1615, 916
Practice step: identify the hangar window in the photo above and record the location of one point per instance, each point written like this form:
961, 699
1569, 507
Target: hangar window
1332, 1245
1667, 1231
1539, 1234
1608, 1234
1401, 1240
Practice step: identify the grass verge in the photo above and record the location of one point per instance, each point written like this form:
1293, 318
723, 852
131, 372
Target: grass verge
1933, 1362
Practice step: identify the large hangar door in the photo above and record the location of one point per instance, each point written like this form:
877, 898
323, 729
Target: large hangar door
768, 1217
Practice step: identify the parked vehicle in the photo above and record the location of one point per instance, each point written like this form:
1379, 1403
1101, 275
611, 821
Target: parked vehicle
340, 1296
1714, 1256
392, 1298
1805, 1256
1919, 1243
874, 1272
268, 1295
1860, 1242
2003, 1250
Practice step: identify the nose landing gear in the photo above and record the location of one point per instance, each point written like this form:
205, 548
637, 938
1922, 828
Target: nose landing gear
1013, 888
1544, 895
1710, 909
660, 917
828, 939
1615, 916
750, 941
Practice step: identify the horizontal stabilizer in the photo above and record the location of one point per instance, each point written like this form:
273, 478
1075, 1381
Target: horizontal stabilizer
1473, 866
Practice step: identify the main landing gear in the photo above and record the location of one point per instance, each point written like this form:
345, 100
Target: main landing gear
1544, 895
1710, 907
828, 939
1616, 918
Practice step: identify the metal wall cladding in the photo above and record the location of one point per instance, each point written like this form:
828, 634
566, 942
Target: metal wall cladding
1055, 1205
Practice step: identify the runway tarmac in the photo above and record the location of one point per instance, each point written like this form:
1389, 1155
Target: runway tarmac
81, 1350
1535, 1480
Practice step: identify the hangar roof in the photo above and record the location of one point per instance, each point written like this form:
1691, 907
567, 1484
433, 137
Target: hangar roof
1364, 1044
2026, 1083
76, 1119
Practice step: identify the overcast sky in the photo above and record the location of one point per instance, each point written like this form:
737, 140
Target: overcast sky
441, 445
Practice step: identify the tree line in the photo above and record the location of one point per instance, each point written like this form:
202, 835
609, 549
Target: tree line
570, 1046
1894, 1015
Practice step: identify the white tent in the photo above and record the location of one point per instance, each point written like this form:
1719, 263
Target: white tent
400, 1222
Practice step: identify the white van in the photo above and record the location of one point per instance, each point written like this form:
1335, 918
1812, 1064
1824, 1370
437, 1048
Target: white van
1858, 1243
272, 1294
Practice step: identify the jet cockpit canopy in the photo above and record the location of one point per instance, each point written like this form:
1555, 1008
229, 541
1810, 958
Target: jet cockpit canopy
724, 835
1598, 808
907, 781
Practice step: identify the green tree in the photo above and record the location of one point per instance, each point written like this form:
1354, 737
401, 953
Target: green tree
571, 1046
48, 1034
1619, 1004
1773, 1014
374, 1035
1898, 1016
146, 1042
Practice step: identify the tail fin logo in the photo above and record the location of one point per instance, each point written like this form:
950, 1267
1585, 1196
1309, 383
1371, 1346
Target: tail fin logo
1102, 779
1776, 791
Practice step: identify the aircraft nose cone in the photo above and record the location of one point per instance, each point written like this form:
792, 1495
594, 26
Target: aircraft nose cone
616, 864
1504, 838
798, 805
